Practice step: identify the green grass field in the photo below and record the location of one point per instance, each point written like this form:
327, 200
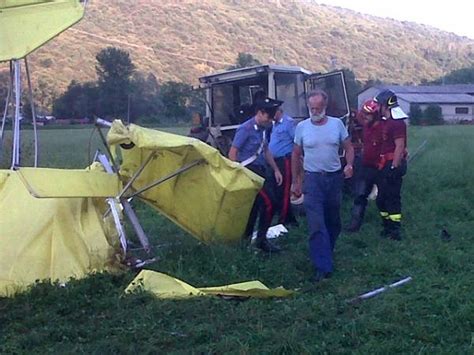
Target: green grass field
432, 314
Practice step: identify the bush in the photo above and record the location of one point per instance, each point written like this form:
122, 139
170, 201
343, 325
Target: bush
433, 115
416, 114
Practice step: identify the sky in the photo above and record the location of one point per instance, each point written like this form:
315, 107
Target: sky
453, 15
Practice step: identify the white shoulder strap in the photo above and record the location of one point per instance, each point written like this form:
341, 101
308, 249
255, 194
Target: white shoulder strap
259, 151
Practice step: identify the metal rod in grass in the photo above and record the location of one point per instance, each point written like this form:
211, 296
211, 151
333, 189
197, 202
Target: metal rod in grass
380, 290
417, 150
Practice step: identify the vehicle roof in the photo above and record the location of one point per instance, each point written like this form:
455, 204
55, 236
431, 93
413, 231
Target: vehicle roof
240, 73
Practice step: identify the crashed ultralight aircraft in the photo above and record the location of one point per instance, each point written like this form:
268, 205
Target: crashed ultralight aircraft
57, 224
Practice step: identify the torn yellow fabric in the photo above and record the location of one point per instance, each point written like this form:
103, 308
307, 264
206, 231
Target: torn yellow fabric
54, 239
28, 24
212, 200
167, 287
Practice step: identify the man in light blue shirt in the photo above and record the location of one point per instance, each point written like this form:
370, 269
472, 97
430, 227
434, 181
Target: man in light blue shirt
281, 146
320, 138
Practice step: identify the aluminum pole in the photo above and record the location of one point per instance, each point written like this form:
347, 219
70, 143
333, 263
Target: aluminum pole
16, 124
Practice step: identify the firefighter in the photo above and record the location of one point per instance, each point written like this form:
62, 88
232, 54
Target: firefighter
366, 174
392, 163
250, 148
281, 146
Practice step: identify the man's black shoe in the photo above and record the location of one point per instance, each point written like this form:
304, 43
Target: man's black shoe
394, 236
319, 276
267, 247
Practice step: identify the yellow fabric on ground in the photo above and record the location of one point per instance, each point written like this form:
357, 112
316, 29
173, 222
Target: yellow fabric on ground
43, 183
28, 24
167, 287
212, 201
54, 239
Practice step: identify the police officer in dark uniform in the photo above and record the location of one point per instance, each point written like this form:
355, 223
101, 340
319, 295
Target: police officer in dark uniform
281, 146
250, 148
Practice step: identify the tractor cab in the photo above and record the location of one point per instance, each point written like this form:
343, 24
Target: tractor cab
229, 95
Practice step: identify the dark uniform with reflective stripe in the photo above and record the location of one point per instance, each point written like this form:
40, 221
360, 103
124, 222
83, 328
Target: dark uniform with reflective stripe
389, 180
250, 140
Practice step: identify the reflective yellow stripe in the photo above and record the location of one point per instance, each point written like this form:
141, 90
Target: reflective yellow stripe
384, 214
395, 217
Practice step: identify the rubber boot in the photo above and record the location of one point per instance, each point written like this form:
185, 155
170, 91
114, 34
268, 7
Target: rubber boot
395, 230
386, 228
357, 216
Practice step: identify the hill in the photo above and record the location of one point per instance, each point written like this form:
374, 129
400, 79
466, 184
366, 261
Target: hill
186, 39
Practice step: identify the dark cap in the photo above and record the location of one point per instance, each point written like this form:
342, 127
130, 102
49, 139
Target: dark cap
267, 103
389, 99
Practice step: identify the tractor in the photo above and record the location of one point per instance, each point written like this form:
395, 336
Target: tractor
229, 95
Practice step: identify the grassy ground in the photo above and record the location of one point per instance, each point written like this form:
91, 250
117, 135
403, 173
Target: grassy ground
432, 314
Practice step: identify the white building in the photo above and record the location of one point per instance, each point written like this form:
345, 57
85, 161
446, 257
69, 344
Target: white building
456, 101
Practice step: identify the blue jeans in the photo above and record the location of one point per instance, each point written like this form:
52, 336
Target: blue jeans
322, 202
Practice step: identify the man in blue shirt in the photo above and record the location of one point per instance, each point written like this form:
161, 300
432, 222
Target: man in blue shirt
250, 148
320, 137
281, 146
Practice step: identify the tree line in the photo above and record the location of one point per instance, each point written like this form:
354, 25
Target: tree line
124, 93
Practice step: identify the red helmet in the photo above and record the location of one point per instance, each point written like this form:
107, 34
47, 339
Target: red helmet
371, 107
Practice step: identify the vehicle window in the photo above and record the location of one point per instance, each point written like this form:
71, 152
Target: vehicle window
228, 99
333, 85
290, 89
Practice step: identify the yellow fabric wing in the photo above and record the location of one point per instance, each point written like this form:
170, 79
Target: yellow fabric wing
65, 183
51, 238
26, 25
212, 200
166, 287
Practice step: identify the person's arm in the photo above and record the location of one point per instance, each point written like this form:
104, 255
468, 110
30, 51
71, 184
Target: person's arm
399, 152
297, 170
233, 152
349, 149
238, 142
271, 161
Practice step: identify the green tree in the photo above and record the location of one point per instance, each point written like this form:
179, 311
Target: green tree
175, 98
433, 115
114, 69
79, 101
459, 76
416, 114
145, 101
245, 60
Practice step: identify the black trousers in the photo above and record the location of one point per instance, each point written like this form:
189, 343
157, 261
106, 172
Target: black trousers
389, 193
282, 193
364, 182
263, 206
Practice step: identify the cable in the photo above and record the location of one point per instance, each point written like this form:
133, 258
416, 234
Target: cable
89, 146
7, 103
33, 112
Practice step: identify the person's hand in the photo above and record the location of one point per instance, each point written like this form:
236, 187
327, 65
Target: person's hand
296, 189
278, 177
348, 171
